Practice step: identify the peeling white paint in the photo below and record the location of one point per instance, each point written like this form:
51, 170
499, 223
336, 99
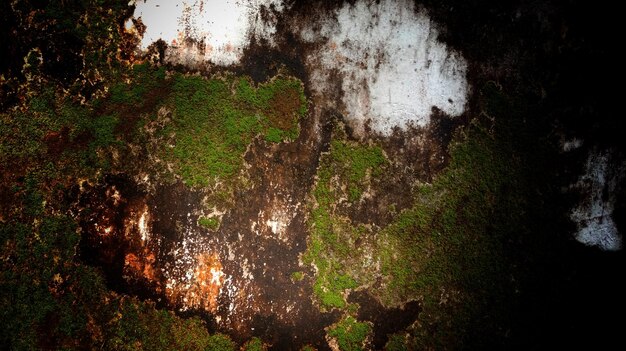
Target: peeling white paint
223, 26
594, 213
393, 68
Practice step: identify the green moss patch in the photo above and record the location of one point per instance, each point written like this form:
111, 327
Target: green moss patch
211, 223
214, 121
350, 334
332, 241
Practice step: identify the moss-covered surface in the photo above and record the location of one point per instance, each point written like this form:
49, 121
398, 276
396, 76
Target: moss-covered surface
254, 344
350, 334
214, 121
211, 223
447, 250
57, 132
344, 173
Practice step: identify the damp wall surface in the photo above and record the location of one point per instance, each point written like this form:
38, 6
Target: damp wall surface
344, 73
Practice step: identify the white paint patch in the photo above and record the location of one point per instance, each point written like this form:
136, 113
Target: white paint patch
594, 213
222, 26
394, 70
143, 225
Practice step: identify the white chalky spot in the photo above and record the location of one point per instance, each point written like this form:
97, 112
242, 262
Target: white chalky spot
143, 225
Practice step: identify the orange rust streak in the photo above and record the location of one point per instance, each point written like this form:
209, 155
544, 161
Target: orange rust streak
148, 269
203, 290
142, 265
133, 262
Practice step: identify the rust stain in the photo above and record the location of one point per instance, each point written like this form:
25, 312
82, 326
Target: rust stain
203, 288
141, 265
133, 262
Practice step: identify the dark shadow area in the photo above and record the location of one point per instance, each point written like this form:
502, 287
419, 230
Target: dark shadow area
386, 320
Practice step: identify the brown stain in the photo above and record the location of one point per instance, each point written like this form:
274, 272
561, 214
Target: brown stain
278, 310
58, 142
129, 41
284, 108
